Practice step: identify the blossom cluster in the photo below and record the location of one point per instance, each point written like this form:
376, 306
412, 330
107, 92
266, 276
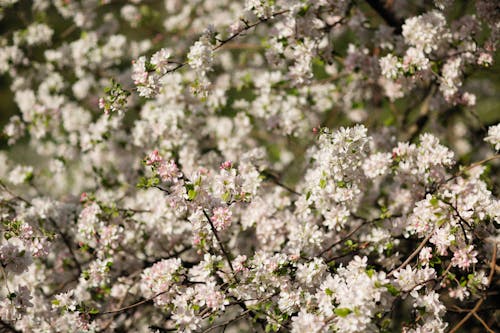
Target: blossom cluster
250, 165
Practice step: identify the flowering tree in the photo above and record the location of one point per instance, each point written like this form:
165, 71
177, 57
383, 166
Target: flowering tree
258, 165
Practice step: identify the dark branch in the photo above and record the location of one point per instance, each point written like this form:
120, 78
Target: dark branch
226, 254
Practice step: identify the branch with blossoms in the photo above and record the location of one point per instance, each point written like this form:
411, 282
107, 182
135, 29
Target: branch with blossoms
274, 166
473, 311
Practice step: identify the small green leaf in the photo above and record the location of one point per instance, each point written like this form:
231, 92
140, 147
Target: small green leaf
308, 195
392, 290
342, 312
192, 195
226, 196
341, 184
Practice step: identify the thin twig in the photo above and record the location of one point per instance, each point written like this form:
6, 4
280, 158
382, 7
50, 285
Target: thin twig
226, 254
276, 180
355, 251
464, 319
480, 302
227, 322
6, 189
223, 42
413, 255
67, 242
473, 165
461, 219
483, 323
331, 246
248, 27
132, 305
162, 189
120, 304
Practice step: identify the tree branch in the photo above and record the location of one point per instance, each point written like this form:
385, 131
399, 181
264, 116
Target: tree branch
486, 327
413, 255
223, 42
132, 305
226, 254
480, 302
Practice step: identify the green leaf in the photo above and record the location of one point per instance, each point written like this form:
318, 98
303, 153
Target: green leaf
308, 195
342, 312
226, 196
192, 195
392, 290
303, 10
142, 183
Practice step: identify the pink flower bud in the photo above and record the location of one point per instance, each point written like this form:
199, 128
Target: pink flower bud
226, 165
153, 158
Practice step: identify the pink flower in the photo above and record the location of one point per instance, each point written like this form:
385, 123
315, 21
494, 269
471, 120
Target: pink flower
83, 197
153, 158
239, 263
464, 257
168, 171
425, 255
221, 218
102, 104
226, 165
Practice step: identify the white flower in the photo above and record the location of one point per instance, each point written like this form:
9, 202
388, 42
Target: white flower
409, 279
20, 174
451, 78
425, 255
306, 322
38, 34
161, 60
415, 58
139, 73
261, 8
425, 31
390, 66
460, 293
377, 165
494, 136
200, 56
